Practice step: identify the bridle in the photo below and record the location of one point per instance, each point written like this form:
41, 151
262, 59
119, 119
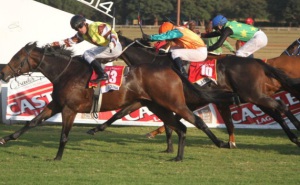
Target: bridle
294, 53
25, 60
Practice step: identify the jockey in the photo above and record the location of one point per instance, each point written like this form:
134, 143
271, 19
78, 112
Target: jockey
187, 45
254, 37
99, 34
239, 43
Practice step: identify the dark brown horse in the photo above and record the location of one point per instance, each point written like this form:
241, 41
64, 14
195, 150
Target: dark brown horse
70, 95
288, 61
245, 76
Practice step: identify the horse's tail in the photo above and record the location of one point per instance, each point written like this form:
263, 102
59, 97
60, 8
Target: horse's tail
287, 83
211, 96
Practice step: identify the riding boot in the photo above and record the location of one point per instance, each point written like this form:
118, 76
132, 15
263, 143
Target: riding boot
100, 72
180, 67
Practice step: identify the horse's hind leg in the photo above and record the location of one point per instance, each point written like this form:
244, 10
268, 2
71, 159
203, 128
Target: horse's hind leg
225, 112
115, 117
155, 132
188, 115
48, 112
276, 115
293, 119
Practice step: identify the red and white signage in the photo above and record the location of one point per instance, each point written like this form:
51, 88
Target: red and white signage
28, 95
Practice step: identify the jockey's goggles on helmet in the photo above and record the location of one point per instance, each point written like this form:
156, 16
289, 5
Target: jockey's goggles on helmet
79, 26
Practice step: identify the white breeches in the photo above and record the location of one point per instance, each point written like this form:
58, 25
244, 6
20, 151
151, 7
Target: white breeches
191, 55
258, 41
102, 52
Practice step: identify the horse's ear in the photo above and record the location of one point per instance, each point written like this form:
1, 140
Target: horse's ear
119, 33
30, 45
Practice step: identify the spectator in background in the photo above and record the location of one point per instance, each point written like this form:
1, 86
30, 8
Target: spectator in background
213, 40
192, 27
240, 43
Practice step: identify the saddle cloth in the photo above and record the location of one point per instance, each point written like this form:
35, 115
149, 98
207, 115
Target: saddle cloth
115, 74
203, 72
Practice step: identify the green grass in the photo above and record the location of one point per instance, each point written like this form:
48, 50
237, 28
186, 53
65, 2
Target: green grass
123, 155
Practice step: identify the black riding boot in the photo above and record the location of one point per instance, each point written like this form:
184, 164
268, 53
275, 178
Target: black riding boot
180, 67
100, 72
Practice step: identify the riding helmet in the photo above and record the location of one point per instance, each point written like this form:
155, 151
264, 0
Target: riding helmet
249, 20
166, 26
76, 21
219, 20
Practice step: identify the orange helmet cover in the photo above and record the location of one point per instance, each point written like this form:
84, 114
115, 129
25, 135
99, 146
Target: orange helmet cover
166, 26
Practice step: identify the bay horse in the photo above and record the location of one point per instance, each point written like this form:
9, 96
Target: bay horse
245, 76
288, 61
70, 77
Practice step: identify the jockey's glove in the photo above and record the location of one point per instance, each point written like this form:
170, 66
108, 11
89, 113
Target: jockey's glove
111, 45
146, 37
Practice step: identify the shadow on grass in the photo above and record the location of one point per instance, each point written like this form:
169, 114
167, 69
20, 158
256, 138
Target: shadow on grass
48, 136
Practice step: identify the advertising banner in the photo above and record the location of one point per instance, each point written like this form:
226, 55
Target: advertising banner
28, 95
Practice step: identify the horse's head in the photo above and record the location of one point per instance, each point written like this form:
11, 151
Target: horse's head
293, 49
20, 63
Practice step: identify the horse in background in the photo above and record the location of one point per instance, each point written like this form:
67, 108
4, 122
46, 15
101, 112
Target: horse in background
243, 76
288, 62
70, 77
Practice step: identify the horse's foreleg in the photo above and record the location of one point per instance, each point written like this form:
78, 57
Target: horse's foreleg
171, 122
68, 117
48, 112
226, 115
199, 123
155, 132
115, 117
169, 139
186, 114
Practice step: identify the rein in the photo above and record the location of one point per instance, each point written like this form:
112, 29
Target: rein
141, 44
65, 69
18, 72
298, 53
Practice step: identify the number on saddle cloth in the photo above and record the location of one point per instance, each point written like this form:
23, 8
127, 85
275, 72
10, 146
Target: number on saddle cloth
203, 72
115, 74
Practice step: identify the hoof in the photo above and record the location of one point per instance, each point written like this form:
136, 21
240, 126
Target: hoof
2, 141
232, 145
224, 145
167, 151
149, 136
176, 159
91, 132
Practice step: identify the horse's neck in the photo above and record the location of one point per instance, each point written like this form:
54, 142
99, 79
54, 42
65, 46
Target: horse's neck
56, 68
134, 56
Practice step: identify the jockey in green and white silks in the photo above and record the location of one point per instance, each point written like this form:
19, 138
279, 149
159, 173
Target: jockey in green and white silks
255, 38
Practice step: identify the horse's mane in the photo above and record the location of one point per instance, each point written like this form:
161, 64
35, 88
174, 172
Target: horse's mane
51, 50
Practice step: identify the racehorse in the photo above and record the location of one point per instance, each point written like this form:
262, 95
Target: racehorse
293, 49
245, 76
288, 61
70, 76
